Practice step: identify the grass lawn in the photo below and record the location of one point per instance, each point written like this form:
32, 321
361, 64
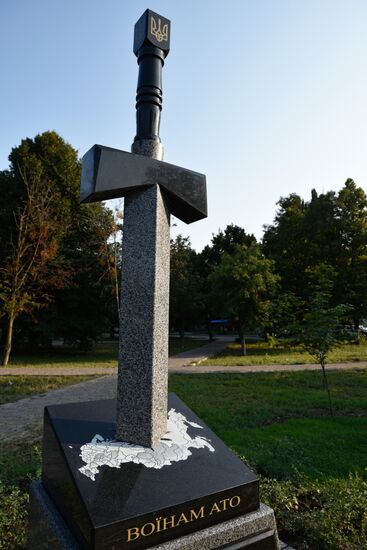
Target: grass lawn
312, 466
104, 355
279, 422
261, 353
13, 388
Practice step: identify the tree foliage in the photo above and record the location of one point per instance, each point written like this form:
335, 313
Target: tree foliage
32, 269
40, 194
224, 242
322, 323
185, 300
242, 285
60, 261
350, 260
331, 228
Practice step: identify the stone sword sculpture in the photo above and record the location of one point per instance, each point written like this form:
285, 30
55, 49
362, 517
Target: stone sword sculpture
153, 190
175, 488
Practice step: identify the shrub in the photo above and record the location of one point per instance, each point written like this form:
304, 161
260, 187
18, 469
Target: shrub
320, 515
13, 518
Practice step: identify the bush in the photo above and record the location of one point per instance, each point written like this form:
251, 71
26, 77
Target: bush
320, 515
13, 518
20, 463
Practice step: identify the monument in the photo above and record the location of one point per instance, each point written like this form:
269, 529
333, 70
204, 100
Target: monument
142, 470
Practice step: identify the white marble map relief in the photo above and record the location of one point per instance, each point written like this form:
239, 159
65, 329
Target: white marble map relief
175, 446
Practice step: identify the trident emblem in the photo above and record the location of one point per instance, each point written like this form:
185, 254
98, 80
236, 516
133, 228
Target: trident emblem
160, 34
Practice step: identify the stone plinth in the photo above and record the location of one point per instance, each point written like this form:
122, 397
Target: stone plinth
256, 530
113, 494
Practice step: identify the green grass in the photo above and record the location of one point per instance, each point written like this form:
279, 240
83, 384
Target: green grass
265, 417
319, 515
13, 388
261, 353
20, 462
315, 447
279, 421
104, 355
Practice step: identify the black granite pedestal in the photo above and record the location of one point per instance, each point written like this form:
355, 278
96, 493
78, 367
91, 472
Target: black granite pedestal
94, 498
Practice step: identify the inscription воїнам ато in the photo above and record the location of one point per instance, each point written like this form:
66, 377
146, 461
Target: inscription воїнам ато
169, 522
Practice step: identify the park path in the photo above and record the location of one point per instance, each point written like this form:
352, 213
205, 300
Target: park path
218, 369
180, 366
22, 417
177, 361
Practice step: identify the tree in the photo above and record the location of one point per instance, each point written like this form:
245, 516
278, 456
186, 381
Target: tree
184, 285
284, 242
351, 259
88, 305
286, 313
320, 229
303, 235
322, 328
224, 242
84, 307
114, 255
330, 228
32, 268
242, 285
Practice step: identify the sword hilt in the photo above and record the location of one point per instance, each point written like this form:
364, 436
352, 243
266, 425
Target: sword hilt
151, 46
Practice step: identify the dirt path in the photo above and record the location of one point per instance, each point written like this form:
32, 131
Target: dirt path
210, 369
19, 418
179, 365
177, 361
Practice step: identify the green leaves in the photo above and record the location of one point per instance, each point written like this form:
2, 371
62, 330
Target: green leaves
329, 514
243, 283
332, 229
322, 322
185, 298
55, 254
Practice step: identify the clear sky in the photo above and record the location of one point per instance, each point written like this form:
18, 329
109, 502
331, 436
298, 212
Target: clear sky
266, 97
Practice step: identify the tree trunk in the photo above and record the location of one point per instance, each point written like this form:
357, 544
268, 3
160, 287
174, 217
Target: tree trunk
241, 333
116, 278
326, 387
8, 340
356, 324
182, 332
210, 330
2, 332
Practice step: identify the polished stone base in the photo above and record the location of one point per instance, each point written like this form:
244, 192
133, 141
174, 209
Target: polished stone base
115, 495
253, 531
47, 529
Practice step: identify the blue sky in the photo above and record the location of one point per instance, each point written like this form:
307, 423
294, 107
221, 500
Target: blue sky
266, 97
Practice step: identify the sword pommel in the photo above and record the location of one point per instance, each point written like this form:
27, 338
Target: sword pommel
152, 30
151, 46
